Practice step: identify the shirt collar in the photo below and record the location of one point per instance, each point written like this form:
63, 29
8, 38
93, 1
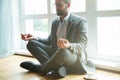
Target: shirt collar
66, 18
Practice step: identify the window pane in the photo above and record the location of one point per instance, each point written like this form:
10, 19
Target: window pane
108, 4
109, 35
35, 7
53, 6
38, 27
76, 6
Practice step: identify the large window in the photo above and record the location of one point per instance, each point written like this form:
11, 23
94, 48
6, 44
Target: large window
108, 36
103, 19
74, 6
32, 7
108, 29
38, 27
108, 4
34, 17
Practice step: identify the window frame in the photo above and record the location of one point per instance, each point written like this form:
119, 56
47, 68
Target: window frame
92, 21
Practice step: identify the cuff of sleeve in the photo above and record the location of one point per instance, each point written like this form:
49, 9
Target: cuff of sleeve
37, 38
71, 47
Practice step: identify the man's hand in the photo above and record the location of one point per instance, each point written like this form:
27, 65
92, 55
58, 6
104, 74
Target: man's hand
63, 43
26, 37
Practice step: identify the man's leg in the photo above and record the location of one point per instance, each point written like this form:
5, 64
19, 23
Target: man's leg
62, 57
39, 50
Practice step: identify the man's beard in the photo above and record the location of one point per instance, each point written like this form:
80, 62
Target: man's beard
60, 13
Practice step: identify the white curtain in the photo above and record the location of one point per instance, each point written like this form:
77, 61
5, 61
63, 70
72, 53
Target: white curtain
9, 27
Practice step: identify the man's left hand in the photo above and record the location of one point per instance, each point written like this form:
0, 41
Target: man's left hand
63, 43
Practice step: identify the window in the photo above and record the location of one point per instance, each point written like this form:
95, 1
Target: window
108, 4
74, 6
103, 19
108, 35
104, 30
108, 26
38, 27
34, 17
32, 7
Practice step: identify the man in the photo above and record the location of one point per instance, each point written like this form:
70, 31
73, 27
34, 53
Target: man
64, 51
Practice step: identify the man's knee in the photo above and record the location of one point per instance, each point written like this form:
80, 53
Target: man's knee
65, 52
30, 44
69, 56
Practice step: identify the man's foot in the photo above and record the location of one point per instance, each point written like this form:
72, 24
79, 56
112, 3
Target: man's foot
61, 72
30, 66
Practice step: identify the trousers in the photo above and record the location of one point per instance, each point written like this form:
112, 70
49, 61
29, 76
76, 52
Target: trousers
50, 58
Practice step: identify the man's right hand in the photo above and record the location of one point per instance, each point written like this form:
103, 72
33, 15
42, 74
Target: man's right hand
26, 37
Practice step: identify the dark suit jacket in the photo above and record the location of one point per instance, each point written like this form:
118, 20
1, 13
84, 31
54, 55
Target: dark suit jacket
77, 35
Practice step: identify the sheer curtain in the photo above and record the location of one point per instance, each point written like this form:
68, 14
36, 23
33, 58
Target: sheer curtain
9, 27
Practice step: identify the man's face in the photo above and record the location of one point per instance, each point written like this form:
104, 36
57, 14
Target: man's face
61, 7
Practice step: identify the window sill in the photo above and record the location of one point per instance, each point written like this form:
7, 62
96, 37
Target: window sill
112, 66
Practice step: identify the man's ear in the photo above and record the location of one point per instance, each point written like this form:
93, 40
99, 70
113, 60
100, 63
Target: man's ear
68, 4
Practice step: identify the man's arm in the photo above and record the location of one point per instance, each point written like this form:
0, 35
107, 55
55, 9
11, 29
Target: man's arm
81, 39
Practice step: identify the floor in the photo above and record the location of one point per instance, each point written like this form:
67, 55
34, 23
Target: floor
10, 70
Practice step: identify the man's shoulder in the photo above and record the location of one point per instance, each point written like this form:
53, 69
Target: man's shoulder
55, 19
77, 17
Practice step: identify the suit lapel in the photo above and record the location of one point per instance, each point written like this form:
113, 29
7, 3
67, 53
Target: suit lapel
56, 26
70, 25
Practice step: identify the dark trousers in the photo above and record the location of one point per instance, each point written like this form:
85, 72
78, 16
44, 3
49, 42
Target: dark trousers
50, 58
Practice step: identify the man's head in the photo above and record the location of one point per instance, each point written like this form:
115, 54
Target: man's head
62, 7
